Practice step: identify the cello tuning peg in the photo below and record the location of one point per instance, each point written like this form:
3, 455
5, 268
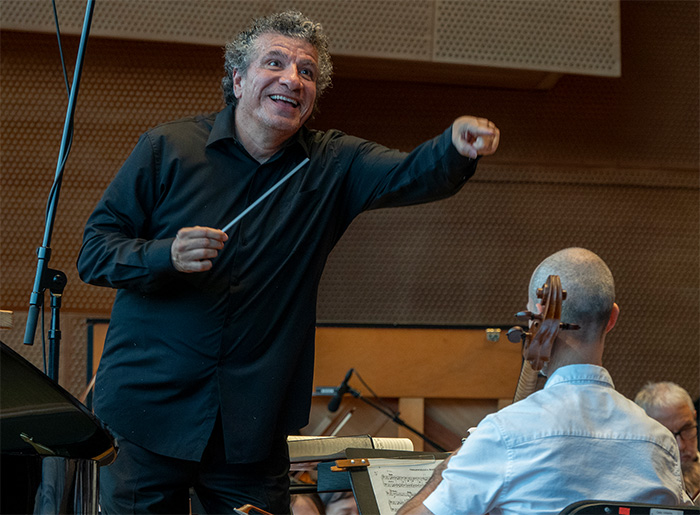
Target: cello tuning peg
569, 327
516, 334
528, 315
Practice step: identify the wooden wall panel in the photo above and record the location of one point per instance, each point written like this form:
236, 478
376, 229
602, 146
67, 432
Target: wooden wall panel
419, 362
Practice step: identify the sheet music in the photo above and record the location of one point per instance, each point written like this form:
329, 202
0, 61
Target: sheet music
396, 481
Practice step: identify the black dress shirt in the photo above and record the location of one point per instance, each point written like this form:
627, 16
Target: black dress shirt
239, 338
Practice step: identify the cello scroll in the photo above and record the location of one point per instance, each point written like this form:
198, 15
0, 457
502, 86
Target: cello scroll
543, 330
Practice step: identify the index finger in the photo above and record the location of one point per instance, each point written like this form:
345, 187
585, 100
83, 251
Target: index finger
202, 232
483, 127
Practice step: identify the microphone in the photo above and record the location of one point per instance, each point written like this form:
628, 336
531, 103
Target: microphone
334, 403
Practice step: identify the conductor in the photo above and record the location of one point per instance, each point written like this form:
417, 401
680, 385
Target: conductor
208, 360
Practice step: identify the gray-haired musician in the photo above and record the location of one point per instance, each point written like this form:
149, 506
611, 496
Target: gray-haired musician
670, 404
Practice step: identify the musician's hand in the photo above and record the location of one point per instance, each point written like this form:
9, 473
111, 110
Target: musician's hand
415, 505
475, 136
195, 247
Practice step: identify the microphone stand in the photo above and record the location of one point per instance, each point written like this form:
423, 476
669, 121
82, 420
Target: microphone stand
45, 277
395, 417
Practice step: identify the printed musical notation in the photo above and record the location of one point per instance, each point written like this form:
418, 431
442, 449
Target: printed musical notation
395, 481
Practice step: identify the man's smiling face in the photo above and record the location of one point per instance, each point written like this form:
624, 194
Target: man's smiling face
278, 90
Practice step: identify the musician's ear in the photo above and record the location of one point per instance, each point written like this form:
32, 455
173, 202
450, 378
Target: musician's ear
613, 318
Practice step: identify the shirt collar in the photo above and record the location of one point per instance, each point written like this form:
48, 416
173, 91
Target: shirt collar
224, 129
580, 374
223, 126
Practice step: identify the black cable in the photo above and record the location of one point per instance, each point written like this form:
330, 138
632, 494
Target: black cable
59, 175
382, 402
60, 46
390, 413
43, 343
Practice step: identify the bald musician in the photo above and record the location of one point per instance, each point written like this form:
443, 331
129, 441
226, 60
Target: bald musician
671, 404
575, 439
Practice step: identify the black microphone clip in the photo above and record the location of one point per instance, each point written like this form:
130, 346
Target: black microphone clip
334, 403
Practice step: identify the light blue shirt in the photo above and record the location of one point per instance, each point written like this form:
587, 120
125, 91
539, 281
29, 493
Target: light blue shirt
575, 439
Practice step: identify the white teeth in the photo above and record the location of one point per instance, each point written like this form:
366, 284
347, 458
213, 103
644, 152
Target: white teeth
284, 99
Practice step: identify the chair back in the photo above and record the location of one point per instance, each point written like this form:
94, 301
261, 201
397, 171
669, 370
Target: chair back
592, 507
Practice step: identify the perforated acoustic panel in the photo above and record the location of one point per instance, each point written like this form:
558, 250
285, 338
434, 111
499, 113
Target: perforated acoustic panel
568, 36
575, 36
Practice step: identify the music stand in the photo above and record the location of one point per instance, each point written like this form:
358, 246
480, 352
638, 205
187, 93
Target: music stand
357, 478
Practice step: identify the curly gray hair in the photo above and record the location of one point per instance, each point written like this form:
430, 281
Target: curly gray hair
239, 52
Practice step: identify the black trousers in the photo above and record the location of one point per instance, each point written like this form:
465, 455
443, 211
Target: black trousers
140, 481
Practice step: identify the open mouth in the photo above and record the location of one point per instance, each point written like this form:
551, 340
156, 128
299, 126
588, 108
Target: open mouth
286, 100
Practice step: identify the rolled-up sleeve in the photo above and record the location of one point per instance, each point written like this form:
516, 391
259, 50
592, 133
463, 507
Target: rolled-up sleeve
474, 477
